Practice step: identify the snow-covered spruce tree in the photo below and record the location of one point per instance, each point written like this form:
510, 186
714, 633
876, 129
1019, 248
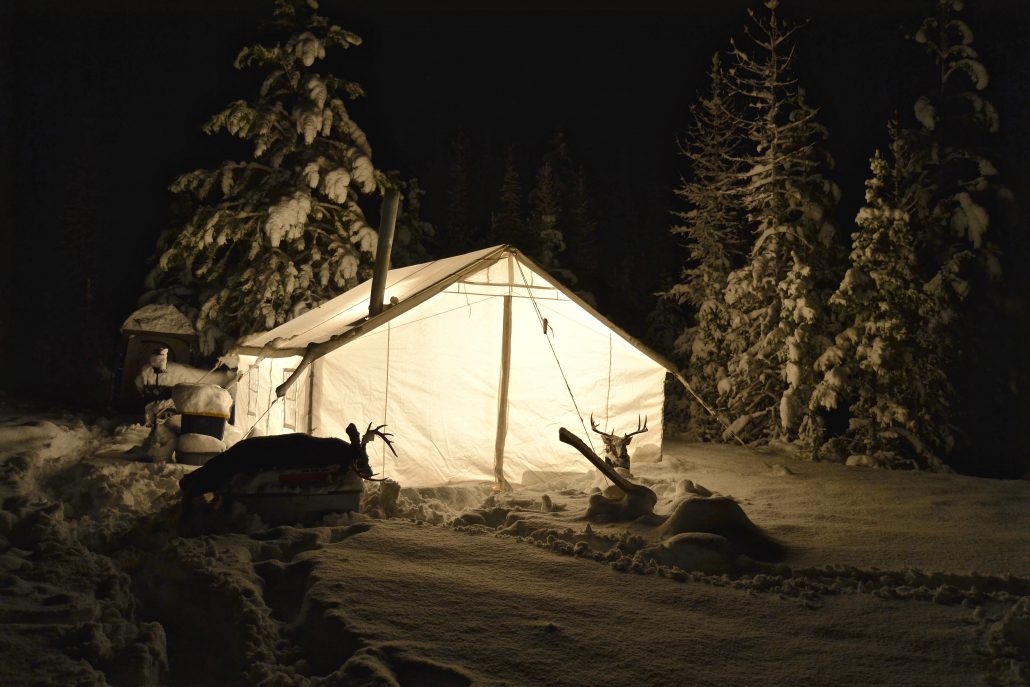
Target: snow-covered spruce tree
714, 232
507, 223
281, 232
545, 215
959, 230
777, 320
884, 365
949, 142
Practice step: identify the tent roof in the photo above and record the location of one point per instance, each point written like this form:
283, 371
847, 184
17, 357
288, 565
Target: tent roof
336, 318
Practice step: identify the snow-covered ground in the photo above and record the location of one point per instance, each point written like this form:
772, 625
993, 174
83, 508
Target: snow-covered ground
856, 577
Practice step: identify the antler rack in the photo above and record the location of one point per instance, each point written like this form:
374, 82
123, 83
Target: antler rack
641, 428
373, 432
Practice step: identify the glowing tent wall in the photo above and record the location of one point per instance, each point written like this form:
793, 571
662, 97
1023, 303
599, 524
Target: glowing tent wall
430, 375
256, 391
433, 374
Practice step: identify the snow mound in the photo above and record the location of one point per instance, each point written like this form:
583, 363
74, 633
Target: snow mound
1008, 642
861, 460
721, 516
618, 505
158, 318
202, 399
178, 373
696, 551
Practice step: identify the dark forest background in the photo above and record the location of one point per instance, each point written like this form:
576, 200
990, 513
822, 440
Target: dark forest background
103, 101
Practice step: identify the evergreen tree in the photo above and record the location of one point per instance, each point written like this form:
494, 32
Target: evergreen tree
777, 319
577, 223
949, 142
564, 169
544, 219
281, 232
560, 157
619, 287
580, 232
78, 370
885, 364
958, 232
459, 232
508, 225
713, 228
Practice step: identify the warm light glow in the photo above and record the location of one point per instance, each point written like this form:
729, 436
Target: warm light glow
433, 376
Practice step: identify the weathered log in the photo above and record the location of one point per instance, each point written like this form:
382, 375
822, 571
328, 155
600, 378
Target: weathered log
637, 500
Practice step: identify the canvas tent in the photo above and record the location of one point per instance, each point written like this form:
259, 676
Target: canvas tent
461, 367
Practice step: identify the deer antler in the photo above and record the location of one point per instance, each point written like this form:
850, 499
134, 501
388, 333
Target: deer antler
371, 434
593, 426
640, 428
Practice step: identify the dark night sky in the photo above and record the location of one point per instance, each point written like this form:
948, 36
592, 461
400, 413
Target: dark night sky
103, 101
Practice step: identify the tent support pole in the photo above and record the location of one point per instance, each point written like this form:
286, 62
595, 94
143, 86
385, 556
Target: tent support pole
311, 399
500, 483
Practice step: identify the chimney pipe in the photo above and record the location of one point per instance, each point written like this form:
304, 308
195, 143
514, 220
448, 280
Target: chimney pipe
387, 223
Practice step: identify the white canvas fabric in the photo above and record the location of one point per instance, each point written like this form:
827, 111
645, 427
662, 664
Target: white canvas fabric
433, 373
337, 315
256, 414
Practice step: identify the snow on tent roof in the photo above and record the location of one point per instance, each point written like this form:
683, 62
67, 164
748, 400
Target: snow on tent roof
339, 314
409, 285
165, 319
